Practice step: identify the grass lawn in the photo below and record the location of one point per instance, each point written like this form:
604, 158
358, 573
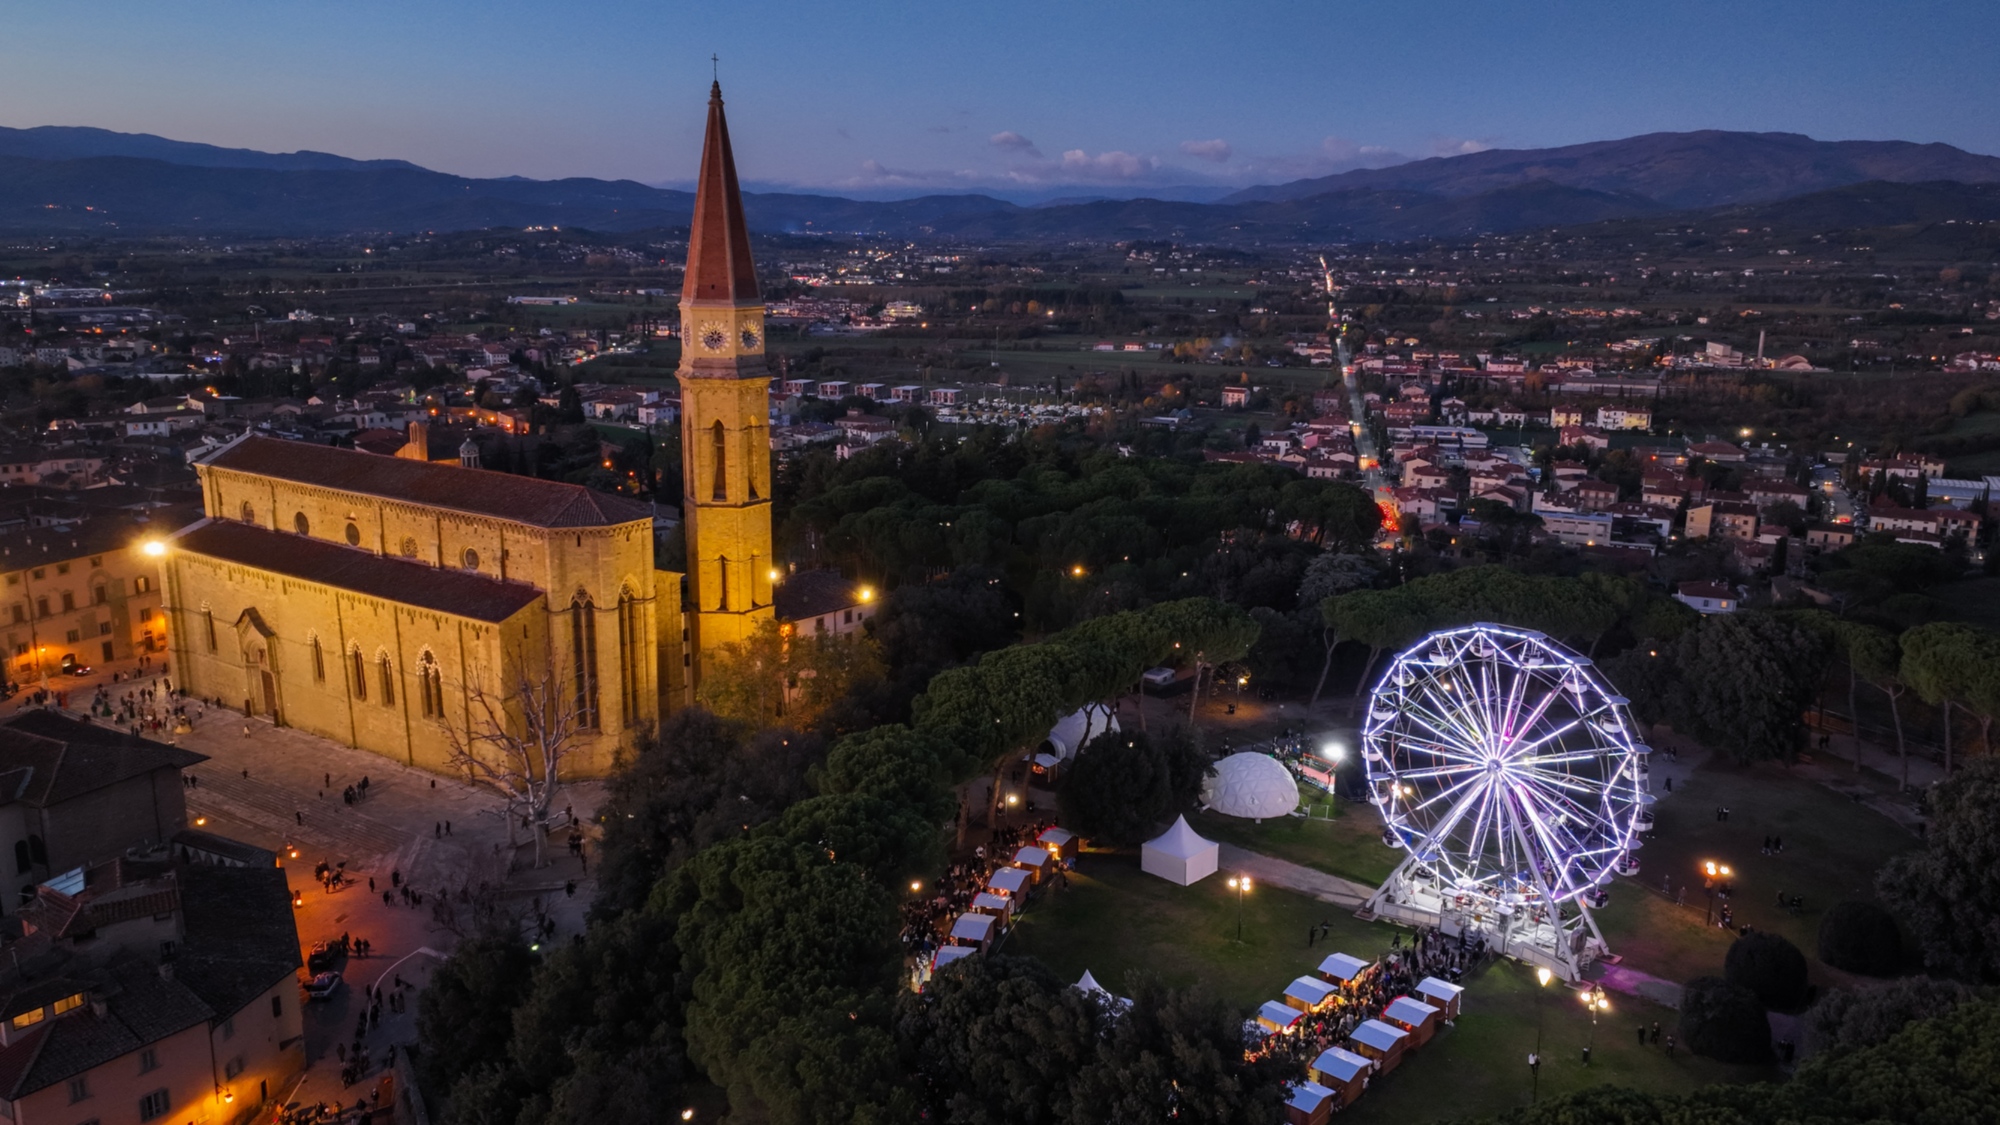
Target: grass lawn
1349, 844
1114, 919
1833, 847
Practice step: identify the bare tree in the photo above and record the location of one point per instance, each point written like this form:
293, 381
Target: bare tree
518, 751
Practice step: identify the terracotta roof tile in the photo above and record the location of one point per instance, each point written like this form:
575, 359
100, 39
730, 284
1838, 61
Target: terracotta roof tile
537, 503
457, 592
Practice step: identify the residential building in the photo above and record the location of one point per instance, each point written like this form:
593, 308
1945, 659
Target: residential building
1707, 597
140, 990
88, 589
81, 793
1722, 519
822, 602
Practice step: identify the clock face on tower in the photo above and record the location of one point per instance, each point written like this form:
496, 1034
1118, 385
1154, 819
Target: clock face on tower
750, 338
714, 337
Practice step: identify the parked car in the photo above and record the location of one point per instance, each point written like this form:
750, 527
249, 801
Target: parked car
324, 956
323, 986
71, 666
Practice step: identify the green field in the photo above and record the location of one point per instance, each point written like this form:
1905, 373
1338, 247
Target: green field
1114, 920
1349, 844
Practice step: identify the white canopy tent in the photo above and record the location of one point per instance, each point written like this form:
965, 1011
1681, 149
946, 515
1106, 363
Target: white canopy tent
1251, 785
1180, 855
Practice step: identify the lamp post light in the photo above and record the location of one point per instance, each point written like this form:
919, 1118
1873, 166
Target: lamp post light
1241, 885
1542, 978
1593, 998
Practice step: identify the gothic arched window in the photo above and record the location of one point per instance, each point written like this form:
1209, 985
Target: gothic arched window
583, 643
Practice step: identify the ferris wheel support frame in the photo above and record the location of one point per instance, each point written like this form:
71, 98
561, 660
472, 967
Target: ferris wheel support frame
1413, 896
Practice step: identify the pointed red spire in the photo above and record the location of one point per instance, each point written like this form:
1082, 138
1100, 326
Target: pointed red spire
719, 267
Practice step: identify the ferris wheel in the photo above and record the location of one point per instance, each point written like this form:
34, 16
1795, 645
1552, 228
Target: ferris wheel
1506, 767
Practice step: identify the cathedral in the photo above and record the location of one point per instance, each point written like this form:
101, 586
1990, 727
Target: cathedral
385, 602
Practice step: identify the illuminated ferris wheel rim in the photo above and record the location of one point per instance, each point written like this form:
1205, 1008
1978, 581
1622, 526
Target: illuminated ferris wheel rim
1504, 764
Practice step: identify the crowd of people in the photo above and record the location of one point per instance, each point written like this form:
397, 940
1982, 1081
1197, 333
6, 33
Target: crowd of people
927, 919
1430, 953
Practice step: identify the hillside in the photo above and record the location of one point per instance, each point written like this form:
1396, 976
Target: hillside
1709, 168
133, 195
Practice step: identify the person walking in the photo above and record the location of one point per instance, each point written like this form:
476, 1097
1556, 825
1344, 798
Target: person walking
1670, 1045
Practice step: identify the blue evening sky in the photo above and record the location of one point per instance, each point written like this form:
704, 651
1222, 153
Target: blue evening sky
871, 96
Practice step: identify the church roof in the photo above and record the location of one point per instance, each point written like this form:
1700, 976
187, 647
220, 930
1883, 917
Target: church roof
525, 500
457, 592
719, 267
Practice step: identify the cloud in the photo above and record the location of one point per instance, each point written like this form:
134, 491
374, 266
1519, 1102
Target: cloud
1112, 165
1217, 150
1457, 146
1010, 141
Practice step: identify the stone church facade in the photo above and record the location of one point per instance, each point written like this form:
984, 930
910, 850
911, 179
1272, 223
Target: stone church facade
377, 600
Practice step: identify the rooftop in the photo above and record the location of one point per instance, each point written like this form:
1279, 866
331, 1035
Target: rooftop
456, 592
525, 500
815, 593
46, 758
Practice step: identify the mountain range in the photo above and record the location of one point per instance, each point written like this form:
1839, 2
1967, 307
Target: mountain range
56, 180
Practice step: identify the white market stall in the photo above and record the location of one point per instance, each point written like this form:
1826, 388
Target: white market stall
1180, 855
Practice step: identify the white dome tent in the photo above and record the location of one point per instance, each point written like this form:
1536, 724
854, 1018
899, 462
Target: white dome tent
1078, 727
1252, 786
1180, 855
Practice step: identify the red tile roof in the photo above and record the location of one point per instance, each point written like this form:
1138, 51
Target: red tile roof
719, 266
457, 592
526, 500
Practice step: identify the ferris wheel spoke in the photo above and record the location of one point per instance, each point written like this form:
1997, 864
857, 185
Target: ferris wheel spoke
1449, 823
1436, 771
1457, 740
1528, 748
1583, 755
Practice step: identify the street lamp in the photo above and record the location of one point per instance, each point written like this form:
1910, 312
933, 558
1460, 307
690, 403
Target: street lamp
1593, 998
1241, 885
1542, 978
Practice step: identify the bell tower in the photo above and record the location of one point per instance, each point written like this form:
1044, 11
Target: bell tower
725, 409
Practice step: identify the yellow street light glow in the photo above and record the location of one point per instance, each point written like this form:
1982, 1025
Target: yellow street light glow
1077, 571
867, 594
155, 548
774, 574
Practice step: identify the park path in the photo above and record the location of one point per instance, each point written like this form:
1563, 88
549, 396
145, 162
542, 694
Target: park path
1294, 877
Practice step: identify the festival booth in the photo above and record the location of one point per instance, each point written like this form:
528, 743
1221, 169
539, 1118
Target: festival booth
1035, 861
1309, 1104
1180, 855
1415, 1017
1442, 995
1252, 786
1344, 1072
1381, 1042
1000, 906
1279, 1019
1010, 881
950, 953
1055, 840
1309, 994
1346, 970
976, 930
